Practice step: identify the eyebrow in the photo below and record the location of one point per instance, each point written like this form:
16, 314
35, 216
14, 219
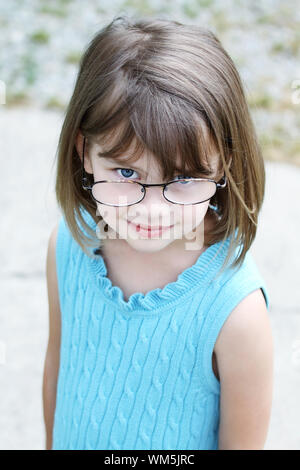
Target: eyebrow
120, 161
204, 171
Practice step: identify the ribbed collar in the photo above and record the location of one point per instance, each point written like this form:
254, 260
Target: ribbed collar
188, 281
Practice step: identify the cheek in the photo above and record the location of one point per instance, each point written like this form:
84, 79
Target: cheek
108, 213
192, 216
112, 215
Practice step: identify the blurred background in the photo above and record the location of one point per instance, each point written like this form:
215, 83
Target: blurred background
41, 43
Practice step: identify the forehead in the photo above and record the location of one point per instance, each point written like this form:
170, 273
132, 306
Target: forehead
145, 160
158, 154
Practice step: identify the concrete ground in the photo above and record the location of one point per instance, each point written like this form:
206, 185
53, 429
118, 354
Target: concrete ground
28, 211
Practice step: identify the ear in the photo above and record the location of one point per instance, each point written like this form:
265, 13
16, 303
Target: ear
79, 147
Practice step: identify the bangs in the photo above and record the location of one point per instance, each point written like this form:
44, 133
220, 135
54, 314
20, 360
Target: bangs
179, 137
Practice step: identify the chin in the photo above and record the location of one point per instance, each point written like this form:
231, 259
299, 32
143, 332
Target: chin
148, 245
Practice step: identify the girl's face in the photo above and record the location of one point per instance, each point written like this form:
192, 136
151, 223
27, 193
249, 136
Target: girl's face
179, 222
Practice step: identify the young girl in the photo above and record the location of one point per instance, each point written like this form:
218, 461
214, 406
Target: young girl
159, 334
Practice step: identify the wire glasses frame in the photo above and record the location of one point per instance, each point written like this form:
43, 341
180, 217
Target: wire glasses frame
88, 187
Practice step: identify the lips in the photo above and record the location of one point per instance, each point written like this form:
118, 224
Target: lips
159, 227
151, 228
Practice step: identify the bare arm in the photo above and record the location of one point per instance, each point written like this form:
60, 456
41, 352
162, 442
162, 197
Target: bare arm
51, 364
244, 351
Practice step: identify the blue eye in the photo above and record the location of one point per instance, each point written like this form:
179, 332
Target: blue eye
125, 175
183, 177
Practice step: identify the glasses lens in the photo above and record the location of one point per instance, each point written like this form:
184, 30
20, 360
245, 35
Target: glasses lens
119, 193
189, 191
124, 193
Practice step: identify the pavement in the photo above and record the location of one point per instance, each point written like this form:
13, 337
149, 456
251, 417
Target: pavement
28, 139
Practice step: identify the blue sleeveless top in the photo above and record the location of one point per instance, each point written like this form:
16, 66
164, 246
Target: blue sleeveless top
138, 374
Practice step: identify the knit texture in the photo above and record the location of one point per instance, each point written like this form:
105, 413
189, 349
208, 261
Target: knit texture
138, 374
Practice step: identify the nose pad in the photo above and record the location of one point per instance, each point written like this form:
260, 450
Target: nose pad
155, 195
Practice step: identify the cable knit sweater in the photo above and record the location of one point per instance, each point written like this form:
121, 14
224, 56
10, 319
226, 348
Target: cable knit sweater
138, 374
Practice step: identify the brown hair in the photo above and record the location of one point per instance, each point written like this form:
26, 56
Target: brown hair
170, 88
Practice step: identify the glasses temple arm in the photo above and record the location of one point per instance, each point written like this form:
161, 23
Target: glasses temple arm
222, 185
85, 181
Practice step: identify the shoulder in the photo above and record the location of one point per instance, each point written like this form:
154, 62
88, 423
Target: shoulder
235, 319
61, 250
53, 294
51, 249
252, 309
62, 238
246, 333
53, 234
244, 351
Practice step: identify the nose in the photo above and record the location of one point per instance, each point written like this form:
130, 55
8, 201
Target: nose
155, 207
154, 194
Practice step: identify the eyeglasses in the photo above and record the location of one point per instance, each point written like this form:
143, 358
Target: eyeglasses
120, 193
